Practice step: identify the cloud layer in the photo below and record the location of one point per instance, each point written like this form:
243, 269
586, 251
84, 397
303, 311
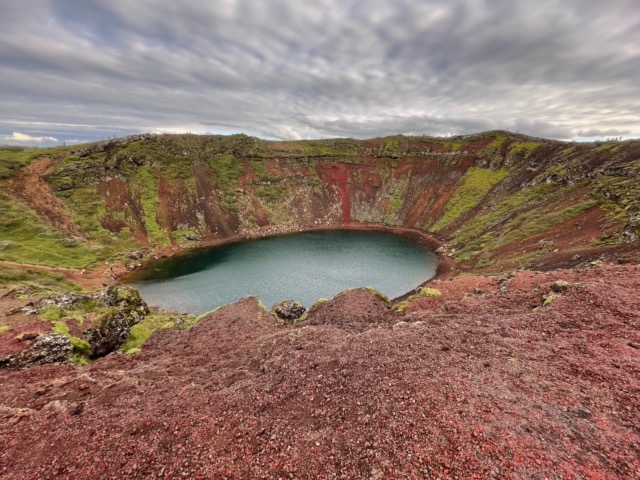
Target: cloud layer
287, 69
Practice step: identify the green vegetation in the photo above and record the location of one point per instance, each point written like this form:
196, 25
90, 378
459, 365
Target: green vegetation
145, 185
427, 292
549, 299
344, 149
79, 356
152, 323
4, 328
52, 313
271, 188
11, 277
27, 239
424, 292
476, 183
397, 189
13, 159
378, 295
61, 328
523, 148
227, 171
528, 212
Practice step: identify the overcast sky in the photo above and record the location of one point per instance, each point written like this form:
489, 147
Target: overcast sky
76, 70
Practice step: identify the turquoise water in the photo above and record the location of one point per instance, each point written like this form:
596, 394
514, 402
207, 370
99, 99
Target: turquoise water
302, 267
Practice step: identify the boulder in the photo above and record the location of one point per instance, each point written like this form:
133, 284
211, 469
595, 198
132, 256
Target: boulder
560, 286
127, 309
288, 311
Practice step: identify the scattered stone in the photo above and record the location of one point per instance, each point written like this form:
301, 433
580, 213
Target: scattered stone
400, 324
560, 286
576, 257
137, 255
52, 348
634, 345
478, 291
288, 311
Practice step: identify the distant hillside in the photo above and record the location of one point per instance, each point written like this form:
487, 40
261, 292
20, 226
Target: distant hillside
499, 199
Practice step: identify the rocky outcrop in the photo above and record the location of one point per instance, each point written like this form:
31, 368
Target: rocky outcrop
288, 311
53, 348
121, 307
126, 309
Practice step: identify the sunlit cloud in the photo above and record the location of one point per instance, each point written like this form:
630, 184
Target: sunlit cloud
23, 138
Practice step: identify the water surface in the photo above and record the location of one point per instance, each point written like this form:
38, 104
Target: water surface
302, 267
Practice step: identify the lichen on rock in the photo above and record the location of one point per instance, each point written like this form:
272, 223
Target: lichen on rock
52, 348
288, 311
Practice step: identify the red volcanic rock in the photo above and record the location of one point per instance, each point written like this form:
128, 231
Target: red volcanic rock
482, 382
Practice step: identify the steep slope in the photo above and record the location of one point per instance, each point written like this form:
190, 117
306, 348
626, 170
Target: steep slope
499, 199
482, 382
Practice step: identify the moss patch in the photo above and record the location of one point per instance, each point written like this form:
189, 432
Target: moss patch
27, 239
140, 332
476, 183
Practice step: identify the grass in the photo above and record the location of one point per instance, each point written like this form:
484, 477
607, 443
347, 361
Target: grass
476, 183
11, 277
145, 184
52, 313
397, 189
27, 239
227, 171
424, 292
140, 332
13, 159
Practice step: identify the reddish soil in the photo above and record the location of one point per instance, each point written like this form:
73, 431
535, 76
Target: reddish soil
473, 384
30, 186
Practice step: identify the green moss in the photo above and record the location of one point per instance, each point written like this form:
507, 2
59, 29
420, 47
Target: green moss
476, 183
424, 292
523, 148
13, 159
530, 211
396, 190
80, 346
140, 332
272, 193
380, 296
227, 171
145, 185
401, 307
4, 328
549, 299
28, 239
11, 277
52, 313
60, 328
494, 147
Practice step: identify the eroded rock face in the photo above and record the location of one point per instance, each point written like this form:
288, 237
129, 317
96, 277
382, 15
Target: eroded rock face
52, 348
288, 311
127, 309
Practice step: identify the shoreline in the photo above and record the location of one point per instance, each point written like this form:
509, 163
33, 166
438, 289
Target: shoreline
446, 267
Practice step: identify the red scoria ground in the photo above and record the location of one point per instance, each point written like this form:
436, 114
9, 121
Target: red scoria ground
474, 384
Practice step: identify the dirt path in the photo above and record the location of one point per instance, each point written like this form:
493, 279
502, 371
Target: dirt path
30, 186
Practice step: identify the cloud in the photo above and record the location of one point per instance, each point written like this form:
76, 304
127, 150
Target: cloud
287, 69
601, 133
23, 138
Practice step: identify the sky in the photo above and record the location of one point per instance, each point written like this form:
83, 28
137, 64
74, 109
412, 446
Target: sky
82, 70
